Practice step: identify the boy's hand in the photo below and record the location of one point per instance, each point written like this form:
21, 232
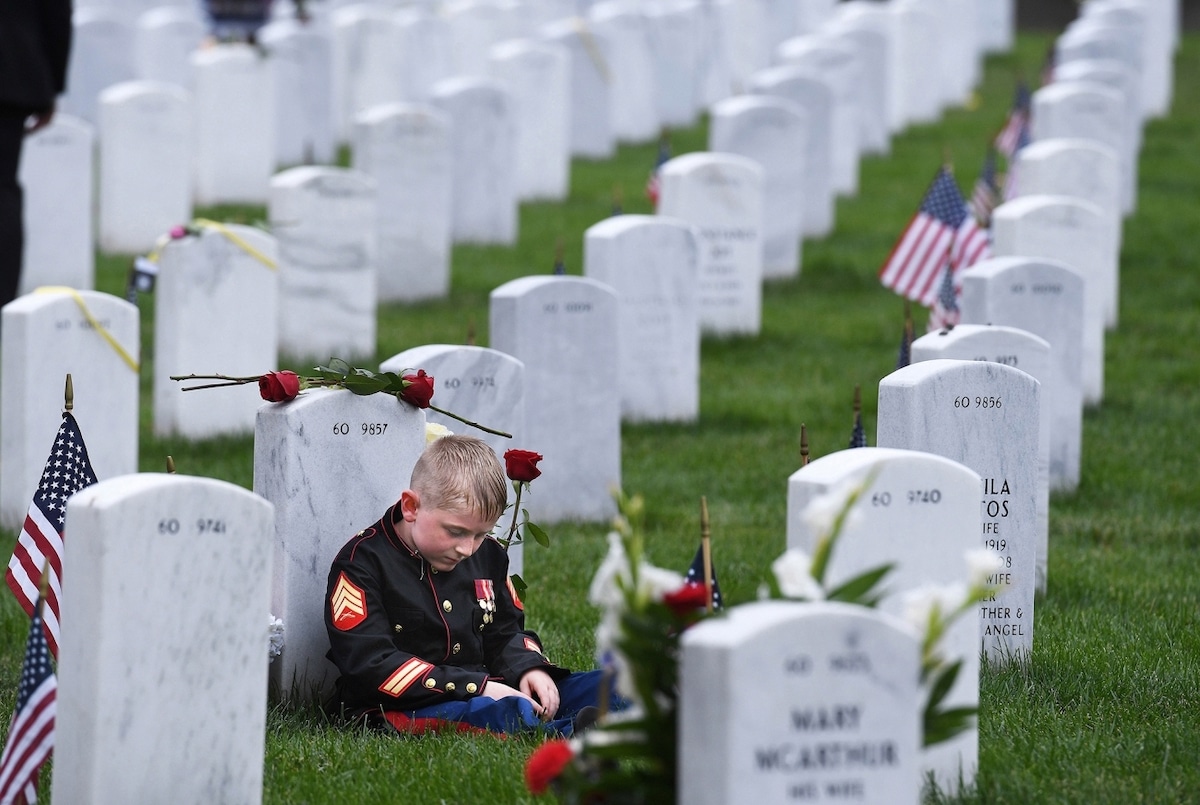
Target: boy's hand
538, 685
498, 690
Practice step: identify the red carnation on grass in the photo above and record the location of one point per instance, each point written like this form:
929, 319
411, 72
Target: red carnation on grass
689, 597
521, 465
279, 386
546, 763
418, 389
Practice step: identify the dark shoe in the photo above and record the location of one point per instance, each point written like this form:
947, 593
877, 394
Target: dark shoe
585, 719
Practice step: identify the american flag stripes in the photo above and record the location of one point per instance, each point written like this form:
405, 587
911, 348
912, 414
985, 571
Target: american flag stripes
654, 183
31, 734
945, 313
68, 470
1008, 141
986, 194
943, 230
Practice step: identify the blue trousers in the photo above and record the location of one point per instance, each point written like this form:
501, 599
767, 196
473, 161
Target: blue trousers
515, 714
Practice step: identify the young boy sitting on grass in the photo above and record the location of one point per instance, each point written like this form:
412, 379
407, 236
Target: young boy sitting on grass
423, 621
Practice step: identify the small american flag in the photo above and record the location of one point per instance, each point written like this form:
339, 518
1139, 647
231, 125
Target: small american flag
31, 734
858, 436
1008, 141
695, 574
943, 230
68, 470
945, 313
904, 358
654, 183
986, 194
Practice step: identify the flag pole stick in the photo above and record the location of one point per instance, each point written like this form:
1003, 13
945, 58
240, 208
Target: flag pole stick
706, 551
803, 445
857, 402
170, 465
471, 333
69, 394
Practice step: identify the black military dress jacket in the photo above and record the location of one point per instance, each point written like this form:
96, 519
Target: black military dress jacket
406, 636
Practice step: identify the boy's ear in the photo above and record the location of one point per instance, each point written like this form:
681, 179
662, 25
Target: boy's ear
410, 501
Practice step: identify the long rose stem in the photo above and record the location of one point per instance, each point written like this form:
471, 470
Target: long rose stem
233, 380
512, 528
215, 385
465, 421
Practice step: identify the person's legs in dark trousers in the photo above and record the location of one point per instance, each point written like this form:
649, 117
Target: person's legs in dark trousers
12, 231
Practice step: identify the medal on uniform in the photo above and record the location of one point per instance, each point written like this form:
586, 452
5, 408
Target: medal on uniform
486, 595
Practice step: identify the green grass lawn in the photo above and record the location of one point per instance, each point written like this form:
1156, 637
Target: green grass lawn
1107, 709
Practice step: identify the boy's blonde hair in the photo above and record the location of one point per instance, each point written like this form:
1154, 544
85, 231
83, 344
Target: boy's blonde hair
463, 475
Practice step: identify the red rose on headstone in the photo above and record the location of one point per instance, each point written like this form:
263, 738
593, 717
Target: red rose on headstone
279, 386
418, 389
521, 465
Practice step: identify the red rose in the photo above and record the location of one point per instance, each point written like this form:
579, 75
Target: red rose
418, 389
279, 386
521, 465
546, 763
689, 597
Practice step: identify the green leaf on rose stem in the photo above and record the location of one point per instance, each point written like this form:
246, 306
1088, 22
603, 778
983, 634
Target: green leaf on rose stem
395, 383
857, 588
340, 366
941, 685
946, 724
519, 584
363, 385
328, 374
539, 536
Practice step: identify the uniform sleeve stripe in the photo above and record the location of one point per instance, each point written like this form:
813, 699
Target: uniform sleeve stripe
404, 676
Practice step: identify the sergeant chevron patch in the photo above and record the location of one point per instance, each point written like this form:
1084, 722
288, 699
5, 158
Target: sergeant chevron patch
347, 604
403, 677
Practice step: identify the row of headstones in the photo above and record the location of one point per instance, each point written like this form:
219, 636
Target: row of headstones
337, 455
151, 134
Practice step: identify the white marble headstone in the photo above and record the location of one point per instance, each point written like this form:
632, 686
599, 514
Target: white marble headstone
485, 386
324, 219
815, 702
722, 196
164, 634
423, 47
592, 133
332, 463
997, 24
216, 310
1073, 231
539, 78
984, 415
475, 26
235, 125
1083, 169
164, 40
872, 49
652, 262
145, 133
56, 176
367, 64
815, 98
878, 22
1022, 350
45, 337
675, 41
917, 44
920, 513
1044, 297
301, 58
773, 132
1081, 109
633, 87
405, 148
483, 139
564, 330
838, 66
102, 54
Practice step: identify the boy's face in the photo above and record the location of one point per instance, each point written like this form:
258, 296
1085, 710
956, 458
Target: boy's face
443, 538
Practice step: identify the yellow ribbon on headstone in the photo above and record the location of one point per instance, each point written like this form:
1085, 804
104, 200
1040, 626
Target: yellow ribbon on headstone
593, 49
130, 361
237, 240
